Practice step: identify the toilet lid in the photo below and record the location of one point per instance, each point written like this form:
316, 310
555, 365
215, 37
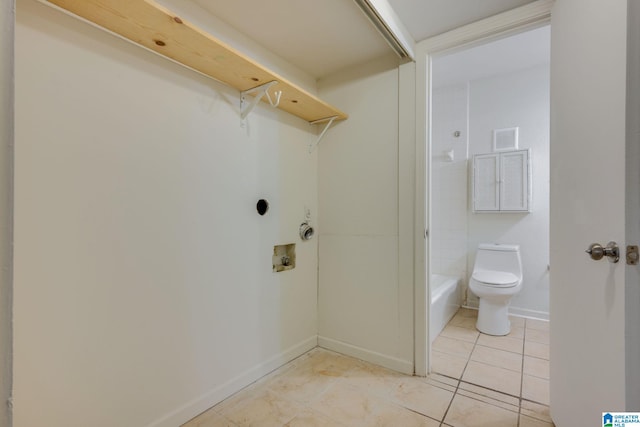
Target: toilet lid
500, 279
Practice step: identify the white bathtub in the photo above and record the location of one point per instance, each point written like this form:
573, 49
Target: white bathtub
445, 302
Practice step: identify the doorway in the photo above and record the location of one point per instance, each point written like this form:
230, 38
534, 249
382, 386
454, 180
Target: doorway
490, 100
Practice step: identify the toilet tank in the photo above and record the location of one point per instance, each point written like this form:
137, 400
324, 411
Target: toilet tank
497, 257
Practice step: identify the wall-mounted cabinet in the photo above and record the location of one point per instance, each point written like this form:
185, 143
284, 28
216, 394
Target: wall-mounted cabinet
502, 182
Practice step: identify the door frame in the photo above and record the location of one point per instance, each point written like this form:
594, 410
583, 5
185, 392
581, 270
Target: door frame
7, 25
517, 20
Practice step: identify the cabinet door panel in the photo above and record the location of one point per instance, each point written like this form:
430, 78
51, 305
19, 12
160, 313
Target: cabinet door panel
486, 192
514, 193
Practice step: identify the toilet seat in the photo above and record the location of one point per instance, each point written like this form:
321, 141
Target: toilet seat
498, 279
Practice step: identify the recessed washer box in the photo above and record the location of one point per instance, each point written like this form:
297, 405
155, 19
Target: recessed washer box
284, 257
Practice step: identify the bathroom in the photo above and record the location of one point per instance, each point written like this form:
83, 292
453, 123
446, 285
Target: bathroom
498, 86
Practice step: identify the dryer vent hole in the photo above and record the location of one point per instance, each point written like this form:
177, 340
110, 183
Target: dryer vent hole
262, 206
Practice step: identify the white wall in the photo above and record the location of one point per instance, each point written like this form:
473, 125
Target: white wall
516, 99
449, 183
364, 309
7, 17
143, 284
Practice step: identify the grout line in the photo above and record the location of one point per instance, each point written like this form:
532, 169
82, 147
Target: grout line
535, 401
491, 389
491, 398
455, 393
419, 413
475, 343
524, 340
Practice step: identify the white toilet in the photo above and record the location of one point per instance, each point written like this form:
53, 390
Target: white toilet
496, 277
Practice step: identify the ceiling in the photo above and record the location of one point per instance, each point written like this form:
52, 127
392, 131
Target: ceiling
517, 52
324, 37
427, 18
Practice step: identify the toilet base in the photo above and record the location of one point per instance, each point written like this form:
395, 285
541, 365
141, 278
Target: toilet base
493, 318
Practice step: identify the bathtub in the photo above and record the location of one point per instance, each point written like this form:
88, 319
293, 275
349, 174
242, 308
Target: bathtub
445, 302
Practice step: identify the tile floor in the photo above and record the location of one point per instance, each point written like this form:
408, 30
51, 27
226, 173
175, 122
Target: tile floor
480, 381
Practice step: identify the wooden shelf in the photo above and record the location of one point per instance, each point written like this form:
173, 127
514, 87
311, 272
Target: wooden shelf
148, 24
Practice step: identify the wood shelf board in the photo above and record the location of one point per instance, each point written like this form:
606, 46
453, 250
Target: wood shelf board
150, 25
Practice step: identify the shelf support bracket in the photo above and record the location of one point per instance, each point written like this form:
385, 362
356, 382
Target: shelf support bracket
247, 106
329, 121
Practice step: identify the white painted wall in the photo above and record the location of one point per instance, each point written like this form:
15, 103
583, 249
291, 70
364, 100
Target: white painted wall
516, 99
449, 183
364, 308
7, 18
143, 284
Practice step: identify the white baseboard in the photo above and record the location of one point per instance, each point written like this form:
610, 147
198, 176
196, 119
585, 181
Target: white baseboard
400, 365
530, 314
520, 312
218, 394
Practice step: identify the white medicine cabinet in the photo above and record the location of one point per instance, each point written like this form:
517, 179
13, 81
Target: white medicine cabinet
502, 182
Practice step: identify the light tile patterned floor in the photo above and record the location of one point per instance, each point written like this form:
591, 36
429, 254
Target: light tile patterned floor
482, 381
514, 367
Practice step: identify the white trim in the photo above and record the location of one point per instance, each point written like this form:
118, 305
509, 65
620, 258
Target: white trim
529, 314
406, 211
399, 365
533, 14
520, 312
395, 25
421, 292
7, 155
190, 409
390, 26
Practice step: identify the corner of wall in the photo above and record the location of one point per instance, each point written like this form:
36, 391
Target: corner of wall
365, 253
358, 72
